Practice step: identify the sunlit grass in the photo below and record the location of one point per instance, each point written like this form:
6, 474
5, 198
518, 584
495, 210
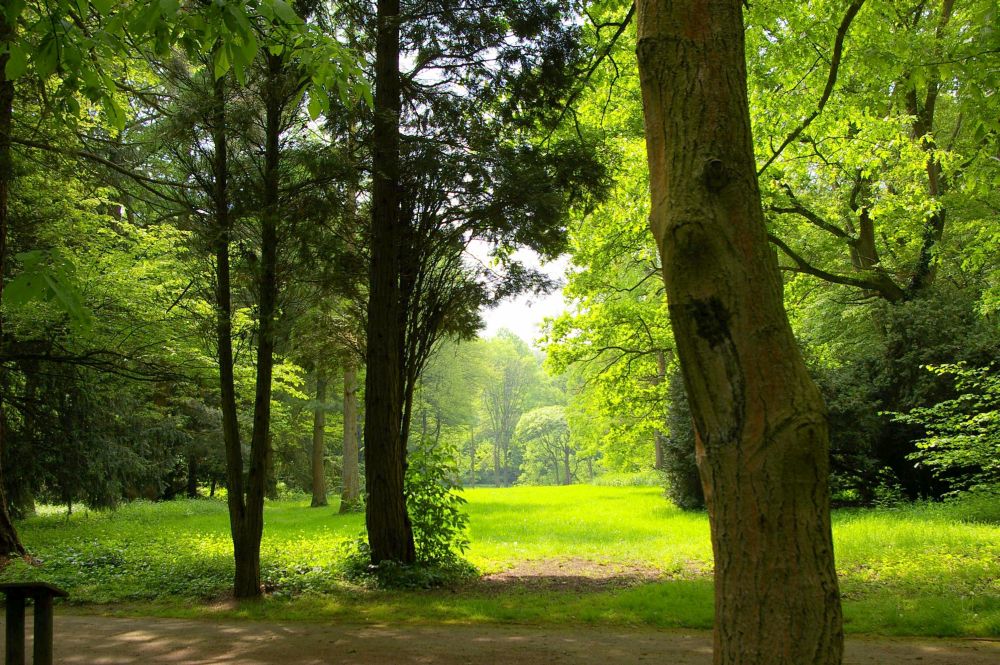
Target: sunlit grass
917, 570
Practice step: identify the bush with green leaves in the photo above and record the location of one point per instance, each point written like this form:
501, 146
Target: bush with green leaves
679, 465
440, 529
962, 440
440, 523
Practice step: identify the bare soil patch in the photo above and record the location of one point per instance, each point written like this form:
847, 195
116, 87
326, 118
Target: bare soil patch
570, 574
91, 640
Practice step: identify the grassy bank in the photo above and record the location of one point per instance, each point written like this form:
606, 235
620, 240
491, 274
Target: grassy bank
917, 570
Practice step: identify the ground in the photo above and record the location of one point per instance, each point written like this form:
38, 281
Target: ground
92, 640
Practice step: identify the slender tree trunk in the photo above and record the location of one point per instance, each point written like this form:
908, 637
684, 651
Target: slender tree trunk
192, 476
351, 492
246, 565
10, 544
472, 457
390, 535
567, 474
496, 464
318, 441
658, 436
760, 421
248, 579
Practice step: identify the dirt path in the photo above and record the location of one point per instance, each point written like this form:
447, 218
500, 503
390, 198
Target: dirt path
86, 640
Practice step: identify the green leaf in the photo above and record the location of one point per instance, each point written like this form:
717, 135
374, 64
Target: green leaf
284, 12
46, 57
169, 8
222, 64
17, 64
104, 7
315, 106
67, 297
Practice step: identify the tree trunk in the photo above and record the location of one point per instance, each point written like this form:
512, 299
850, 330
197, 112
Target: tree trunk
472, 457
192, 476
267, 289
658, 436
760, 421
318, 442
245, 576
567, 474
496, 464
10, 544
390, 535
351, 492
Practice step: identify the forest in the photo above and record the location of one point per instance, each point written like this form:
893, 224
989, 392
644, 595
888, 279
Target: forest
248, 248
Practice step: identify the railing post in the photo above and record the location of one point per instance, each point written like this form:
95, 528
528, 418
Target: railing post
43, 630
17, 593
15, 629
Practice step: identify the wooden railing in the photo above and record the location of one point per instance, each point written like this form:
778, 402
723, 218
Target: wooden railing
17, 594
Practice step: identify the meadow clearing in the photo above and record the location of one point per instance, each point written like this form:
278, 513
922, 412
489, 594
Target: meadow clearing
549, 555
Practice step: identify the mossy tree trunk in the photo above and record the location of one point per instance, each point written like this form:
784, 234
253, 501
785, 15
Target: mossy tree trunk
760, 421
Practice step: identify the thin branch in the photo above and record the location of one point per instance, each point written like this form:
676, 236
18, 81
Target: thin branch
838, 50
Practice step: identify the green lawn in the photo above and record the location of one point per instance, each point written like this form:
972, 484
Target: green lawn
919, 570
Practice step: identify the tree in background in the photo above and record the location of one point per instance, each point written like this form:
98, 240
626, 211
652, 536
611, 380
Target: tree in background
512, 371
546, 437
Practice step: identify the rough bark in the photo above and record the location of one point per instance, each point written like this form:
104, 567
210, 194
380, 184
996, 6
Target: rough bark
351, 493
760, 421
390, 535
10, 544
318, 442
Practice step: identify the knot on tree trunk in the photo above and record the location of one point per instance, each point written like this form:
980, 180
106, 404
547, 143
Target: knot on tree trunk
716, 175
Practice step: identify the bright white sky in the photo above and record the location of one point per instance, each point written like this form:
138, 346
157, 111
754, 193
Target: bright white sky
524, 314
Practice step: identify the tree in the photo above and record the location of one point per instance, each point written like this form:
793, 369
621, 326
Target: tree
10, 544
318, 451
351, 493
474, 171
548, 437
390, 533
505, 398
760, 421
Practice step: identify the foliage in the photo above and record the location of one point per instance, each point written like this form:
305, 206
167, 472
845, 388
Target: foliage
962, 440
435, 505
679, 465
649, 478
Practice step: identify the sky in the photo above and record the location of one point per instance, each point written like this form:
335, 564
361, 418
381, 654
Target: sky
524, 314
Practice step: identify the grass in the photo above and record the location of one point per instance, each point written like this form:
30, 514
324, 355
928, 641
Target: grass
928, 570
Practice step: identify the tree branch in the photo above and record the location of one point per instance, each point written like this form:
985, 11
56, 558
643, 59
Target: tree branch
838, 50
